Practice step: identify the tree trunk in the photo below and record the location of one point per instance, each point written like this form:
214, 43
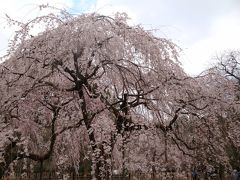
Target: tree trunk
101, 168
41, 170
10, 154
97, 171
153, 166
165, 147
124, 169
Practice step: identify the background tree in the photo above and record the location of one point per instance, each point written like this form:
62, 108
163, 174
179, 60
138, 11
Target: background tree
229, 67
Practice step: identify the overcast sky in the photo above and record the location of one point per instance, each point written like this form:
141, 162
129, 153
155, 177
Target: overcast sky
202, 28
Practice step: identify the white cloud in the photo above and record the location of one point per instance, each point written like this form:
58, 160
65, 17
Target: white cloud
202, 28
107, 7
223, 35
25, 8
22, 11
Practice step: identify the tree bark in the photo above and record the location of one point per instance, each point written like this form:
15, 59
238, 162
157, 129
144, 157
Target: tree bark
41, 170
153, 166
165, 147
10, 154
